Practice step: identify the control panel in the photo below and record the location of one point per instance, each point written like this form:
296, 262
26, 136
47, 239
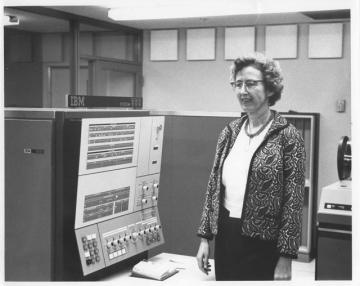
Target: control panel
117, 190
89, 244
139, 231
114, 240
147, 192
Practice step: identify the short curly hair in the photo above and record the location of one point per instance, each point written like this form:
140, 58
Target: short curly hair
269, 68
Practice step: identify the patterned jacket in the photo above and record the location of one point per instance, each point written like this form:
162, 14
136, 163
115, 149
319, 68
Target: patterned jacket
274, 193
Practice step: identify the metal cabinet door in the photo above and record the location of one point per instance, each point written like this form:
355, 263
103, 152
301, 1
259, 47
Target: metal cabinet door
28, 199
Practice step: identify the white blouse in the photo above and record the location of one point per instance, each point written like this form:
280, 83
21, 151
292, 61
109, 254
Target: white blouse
236, 168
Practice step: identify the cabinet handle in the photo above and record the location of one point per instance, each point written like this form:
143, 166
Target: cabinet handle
334, 230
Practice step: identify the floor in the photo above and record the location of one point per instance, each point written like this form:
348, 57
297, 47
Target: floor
303, 271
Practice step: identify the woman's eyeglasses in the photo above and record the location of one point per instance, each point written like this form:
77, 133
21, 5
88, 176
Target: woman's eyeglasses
248, 84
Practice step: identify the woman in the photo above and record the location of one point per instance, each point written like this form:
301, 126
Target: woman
255, 193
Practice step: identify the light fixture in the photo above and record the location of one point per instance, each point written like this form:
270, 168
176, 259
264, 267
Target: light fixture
10, 20
128, 10
175, 9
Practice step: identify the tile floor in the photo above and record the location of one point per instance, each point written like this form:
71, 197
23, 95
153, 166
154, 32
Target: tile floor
303, 271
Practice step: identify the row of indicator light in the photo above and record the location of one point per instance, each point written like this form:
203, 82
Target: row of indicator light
88, 237
117, 253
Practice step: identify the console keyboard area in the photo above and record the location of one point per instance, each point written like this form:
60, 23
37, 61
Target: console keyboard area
104, 244
91, 250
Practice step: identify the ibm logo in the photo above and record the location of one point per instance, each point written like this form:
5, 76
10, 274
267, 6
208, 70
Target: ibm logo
76, 101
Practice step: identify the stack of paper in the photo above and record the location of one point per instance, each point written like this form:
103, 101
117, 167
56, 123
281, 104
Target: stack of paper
154, 270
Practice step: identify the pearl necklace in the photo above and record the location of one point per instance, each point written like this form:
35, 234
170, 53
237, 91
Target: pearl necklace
257, 132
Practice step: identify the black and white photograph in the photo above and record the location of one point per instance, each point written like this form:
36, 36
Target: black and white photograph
172, 142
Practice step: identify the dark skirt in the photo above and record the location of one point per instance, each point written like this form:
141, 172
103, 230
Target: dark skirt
238, 257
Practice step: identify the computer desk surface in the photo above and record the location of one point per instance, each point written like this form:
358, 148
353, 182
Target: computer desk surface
188, 271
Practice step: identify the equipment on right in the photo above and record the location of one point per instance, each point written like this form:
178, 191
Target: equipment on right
334, 222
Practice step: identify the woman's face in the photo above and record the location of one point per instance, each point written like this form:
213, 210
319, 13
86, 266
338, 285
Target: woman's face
250, 90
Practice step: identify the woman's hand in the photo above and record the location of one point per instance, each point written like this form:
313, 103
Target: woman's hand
283, 269
202, 256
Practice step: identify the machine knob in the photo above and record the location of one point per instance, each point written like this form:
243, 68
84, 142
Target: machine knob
154, 198
135, 235
156, 185
144, 201
145, 188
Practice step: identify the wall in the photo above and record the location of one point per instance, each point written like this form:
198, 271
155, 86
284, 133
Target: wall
311, 85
